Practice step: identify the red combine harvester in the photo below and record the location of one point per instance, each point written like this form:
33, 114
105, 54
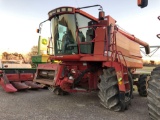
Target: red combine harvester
94, 54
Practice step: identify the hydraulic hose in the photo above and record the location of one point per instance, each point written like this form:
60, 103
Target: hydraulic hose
81, 76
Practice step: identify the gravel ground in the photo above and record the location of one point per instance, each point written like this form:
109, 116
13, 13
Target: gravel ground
44, 105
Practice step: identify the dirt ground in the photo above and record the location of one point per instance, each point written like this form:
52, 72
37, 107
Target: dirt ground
44, 105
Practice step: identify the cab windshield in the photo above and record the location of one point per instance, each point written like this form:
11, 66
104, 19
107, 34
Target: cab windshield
64, 34
65, 27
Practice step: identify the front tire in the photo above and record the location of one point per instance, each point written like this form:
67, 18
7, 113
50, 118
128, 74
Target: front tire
154, 94
142, 85
109, 91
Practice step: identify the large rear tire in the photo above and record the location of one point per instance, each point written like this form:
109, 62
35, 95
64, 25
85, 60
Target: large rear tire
142, 85
154, 94
109, 91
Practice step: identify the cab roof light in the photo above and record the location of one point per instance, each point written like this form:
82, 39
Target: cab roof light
58, 10
63, 9
52, 12
70, 9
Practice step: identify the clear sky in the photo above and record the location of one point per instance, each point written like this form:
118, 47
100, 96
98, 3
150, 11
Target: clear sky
19, 19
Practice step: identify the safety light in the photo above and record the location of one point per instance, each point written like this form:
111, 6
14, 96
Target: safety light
63, 9
52, 12
142, 3
58, 10
37, 30
70, 10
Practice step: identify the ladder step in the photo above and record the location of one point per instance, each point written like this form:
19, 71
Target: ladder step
81, 89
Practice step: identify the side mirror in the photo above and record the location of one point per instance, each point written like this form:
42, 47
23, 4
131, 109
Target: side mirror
142, 3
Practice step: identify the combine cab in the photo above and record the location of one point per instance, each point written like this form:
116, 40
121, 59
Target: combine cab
15, 75
94, 54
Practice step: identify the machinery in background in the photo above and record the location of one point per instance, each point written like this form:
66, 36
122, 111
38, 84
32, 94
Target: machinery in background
42, 56
15, 74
